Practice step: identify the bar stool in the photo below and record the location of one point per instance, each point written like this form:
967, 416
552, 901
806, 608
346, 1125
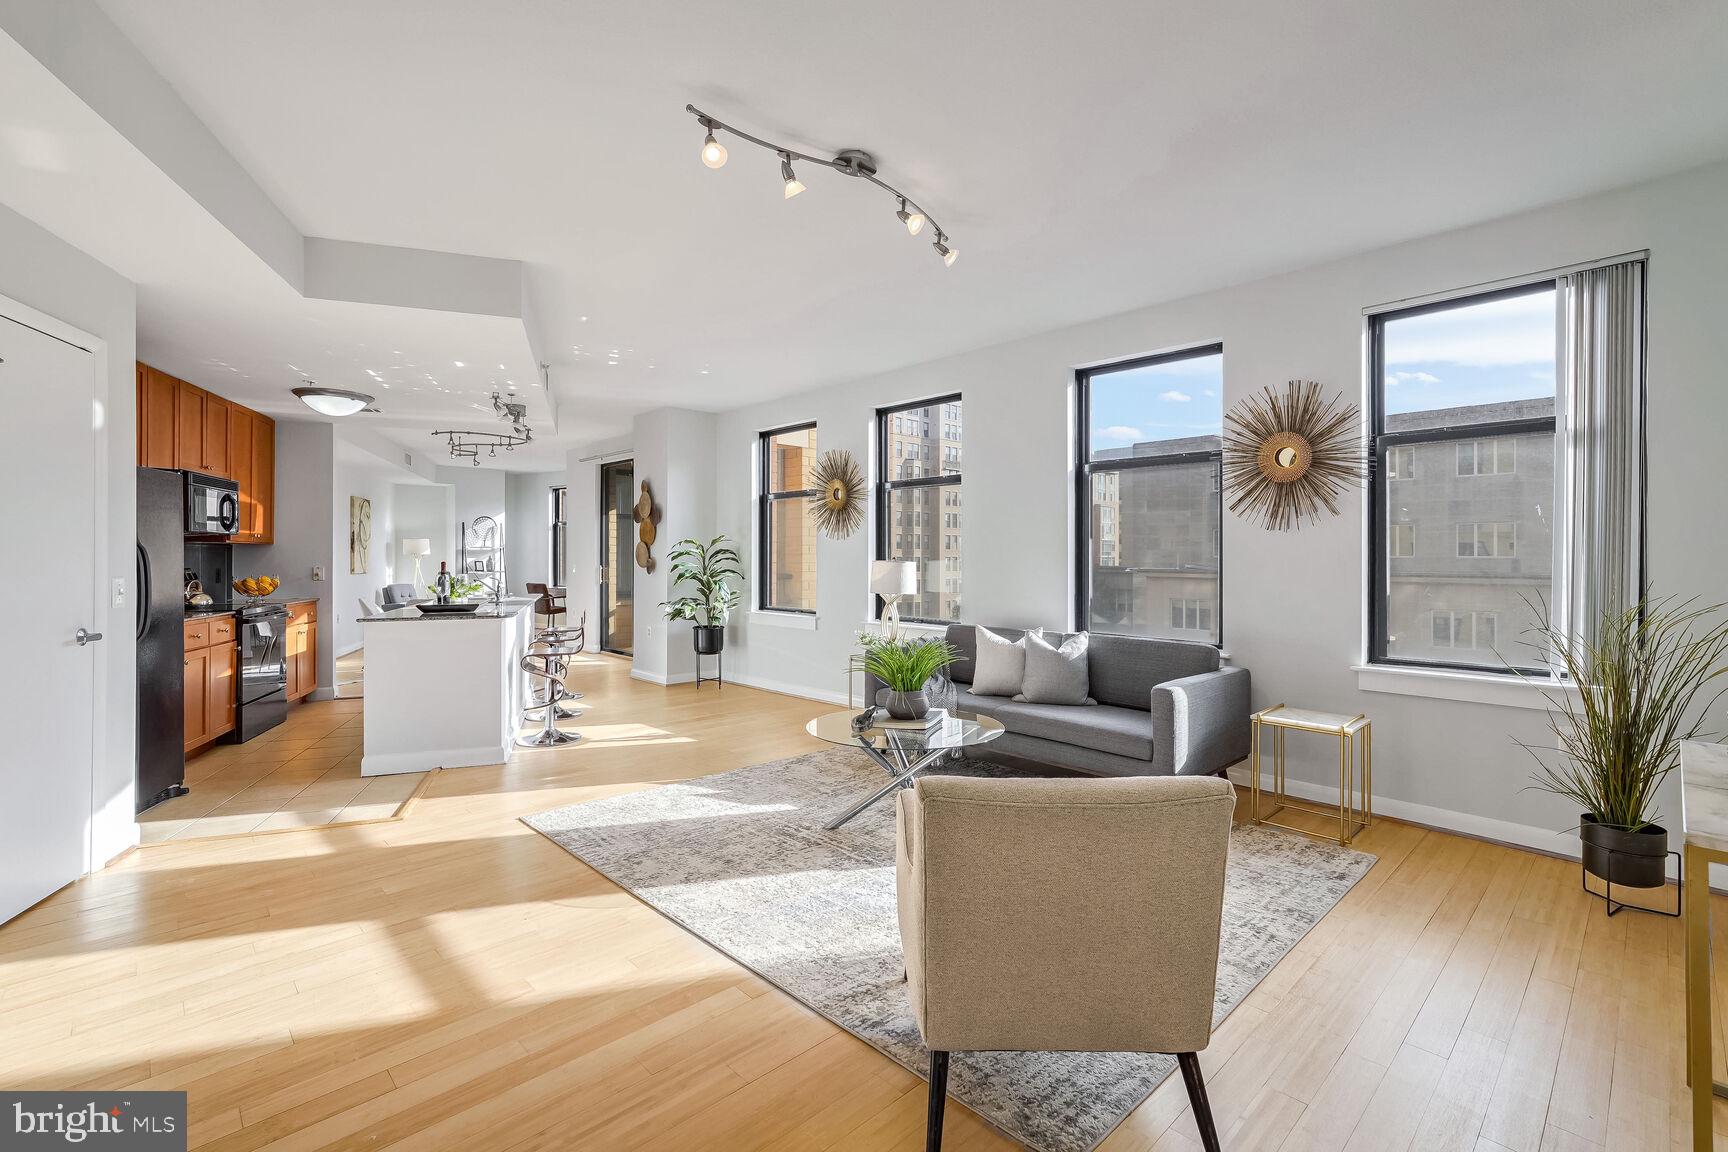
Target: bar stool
573, 636
543, 662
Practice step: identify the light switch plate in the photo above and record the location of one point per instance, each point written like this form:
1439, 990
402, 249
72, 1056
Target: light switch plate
119, 592
317, 571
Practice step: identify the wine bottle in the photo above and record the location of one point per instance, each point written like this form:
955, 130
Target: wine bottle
442, 585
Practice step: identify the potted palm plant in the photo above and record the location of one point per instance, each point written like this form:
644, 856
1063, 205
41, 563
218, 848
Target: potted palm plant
707, 568
905, 666
1619, 734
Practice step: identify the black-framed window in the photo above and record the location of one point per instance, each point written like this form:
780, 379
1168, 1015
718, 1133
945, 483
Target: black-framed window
1462, 411
786, 554
557, 513
1148, 500
918, 503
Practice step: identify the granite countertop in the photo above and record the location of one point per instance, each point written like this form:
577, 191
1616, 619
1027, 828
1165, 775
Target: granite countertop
487, 611
212, 610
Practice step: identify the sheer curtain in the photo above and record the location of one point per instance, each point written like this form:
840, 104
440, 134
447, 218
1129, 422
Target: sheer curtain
1602, 363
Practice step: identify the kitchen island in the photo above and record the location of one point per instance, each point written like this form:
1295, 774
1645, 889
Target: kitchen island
443, 691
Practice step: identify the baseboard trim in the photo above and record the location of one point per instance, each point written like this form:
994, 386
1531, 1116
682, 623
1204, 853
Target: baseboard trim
1563, 844
664, 681
782, 688
350, 649
401, 763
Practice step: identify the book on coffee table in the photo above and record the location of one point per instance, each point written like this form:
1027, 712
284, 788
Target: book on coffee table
931, 719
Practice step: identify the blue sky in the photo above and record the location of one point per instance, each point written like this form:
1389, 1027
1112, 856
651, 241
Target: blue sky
1159, 402
1475, 354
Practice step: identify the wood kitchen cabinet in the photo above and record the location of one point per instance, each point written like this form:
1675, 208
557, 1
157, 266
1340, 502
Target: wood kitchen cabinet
216, 437
157, 424
211, 665
302, 648
188, 426
263, 480
180, 425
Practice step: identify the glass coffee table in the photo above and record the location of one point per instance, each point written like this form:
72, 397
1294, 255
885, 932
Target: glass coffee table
903, 753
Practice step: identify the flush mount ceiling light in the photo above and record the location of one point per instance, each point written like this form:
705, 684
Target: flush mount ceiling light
332, 401
850, 162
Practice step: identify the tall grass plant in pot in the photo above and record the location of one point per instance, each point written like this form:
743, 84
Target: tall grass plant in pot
905, 666
1646, 682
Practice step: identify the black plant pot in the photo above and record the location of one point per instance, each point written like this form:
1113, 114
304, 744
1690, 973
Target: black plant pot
1633, 859
710, 639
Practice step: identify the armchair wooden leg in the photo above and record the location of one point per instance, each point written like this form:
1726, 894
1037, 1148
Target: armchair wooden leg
938, 1101
1196, 1084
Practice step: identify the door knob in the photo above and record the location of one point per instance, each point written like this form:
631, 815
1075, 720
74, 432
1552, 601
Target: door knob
84, 637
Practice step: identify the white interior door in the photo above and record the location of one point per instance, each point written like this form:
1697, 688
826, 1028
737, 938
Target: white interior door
48, 481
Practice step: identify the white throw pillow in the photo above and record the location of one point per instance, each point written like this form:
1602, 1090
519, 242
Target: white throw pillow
1056, 675
999, 666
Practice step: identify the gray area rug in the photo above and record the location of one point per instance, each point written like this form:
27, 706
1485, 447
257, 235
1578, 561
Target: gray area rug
741, 859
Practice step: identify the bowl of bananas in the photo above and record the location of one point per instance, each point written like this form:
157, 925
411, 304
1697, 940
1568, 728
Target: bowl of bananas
256, 588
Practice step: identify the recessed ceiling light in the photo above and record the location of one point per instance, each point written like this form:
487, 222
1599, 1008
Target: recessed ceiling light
583, 319
458, 363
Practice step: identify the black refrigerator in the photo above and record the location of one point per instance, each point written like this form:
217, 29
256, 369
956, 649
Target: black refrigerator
161, 637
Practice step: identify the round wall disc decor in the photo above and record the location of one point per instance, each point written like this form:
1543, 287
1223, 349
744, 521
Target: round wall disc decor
646, 515
838, 508
1288, 456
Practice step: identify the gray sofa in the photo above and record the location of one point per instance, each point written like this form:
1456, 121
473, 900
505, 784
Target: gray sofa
1165, 707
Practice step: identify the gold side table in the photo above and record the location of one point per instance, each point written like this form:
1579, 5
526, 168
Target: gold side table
1355, 809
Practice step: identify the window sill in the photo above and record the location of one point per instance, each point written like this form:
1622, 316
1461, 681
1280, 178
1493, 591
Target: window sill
802, 620
1472, 687
908, 626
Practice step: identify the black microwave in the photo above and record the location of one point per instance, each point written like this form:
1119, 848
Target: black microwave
212, 505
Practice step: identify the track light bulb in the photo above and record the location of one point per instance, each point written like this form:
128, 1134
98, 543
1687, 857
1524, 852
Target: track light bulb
914, 221
713, 152
949, 255
793, 185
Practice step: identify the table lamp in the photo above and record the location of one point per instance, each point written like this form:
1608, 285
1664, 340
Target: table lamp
892, 579
417, 549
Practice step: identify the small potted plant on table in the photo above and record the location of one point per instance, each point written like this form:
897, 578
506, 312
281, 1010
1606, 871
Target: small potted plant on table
708, 568
1638, 681
905, 665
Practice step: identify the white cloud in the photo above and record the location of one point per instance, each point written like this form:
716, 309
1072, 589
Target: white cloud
1122, 434
1518, 330
1175, 397
1393, 379
1208, 392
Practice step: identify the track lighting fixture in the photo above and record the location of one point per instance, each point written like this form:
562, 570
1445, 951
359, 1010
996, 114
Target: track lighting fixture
850, 162
713, 152
914, 221
949, 255
793, 186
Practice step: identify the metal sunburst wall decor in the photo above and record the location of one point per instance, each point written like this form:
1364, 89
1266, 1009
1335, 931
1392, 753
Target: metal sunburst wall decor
838, 508
1288, 456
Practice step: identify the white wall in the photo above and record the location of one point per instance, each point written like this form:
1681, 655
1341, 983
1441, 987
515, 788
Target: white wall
478, 492
49, 275
304, 537
675, 455
424, 512
528, 543
1293, 602
382, 558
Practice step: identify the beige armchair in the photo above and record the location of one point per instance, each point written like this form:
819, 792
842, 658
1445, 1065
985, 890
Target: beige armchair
1063, 916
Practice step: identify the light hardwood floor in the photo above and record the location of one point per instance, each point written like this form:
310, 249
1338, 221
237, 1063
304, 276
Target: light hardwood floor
454, 981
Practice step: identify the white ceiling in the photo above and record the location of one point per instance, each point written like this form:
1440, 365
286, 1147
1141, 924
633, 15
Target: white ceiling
1085, 158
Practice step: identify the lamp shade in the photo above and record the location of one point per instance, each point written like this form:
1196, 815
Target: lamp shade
416, 547
894, 577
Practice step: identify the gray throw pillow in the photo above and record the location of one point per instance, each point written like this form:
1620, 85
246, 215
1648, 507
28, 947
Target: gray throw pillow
1056, 675
1000, 664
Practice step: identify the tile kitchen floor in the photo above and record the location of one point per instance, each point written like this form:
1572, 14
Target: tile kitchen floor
302, 774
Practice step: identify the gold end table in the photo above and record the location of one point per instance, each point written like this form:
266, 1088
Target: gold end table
1355, 809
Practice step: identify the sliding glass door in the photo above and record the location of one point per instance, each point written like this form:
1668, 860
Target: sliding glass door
617, 557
